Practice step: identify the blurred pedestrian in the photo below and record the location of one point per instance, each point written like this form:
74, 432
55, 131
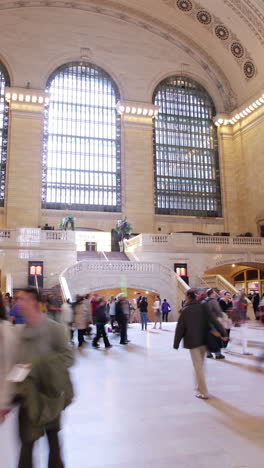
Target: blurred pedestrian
214, 338
112, 310
44, 350
7, 360
101, 319
122, 314
80, 314
192, 327
157, 312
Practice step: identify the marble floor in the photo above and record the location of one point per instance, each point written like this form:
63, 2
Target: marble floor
135, 408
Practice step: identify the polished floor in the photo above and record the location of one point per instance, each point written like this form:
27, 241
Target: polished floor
135, 408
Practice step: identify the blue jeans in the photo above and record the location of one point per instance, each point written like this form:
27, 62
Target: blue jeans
144, 320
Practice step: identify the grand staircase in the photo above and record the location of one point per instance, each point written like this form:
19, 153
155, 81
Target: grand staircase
102, 256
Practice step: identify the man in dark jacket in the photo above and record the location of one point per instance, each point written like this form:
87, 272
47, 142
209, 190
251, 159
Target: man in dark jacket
193, 327
122, 313
101, 319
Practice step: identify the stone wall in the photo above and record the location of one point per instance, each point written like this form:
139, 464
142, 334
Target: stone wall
137, 60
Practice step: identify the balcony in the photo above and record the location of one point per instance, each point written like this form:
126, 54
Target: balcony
182, 242
37, 239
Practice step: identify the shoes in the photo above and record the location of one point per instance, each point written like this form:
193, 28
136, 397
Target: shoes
123, 342
201, 396
209, 355
220, 356
109, 346
95, 345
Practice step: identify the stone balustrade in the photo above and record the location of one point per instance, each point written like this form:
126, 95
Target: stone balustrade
182, 242
36, 238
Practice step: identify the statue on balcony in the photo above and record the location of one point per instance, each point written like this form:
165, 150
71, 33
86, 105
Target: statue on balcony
68, 223
124, 230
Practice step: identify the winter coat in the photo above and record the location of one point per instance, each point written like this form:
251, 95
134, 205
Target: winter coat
44, 394
193, 325
143, 304
101, 316
165, 307
47, 389
81, 313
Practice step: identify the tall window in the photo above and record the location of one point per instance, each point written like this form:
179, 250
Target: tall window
4, 81
187, 180
81, 163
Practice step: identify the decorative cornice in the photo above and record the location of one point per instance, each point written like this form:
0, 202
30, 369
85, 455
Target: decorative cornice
112, 8
26, 100
215, 26
240, 113
251, 16
137, 109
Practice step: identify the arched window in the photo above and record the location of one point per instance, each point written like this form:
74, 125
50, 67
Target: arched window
81, 162
187, 179
4, 81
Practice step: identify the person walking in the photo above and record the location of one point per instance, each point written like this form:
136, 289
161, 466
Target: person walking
157, 312
166, 308
192, 327
240, 310
101, 320
7, 360
255, 302
122, 313
143, 308
214, 340
45, 352
112, 311
80, 320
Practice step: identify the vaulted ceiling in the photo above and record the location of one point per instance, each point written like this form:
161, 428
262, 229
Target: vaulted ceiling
224, 37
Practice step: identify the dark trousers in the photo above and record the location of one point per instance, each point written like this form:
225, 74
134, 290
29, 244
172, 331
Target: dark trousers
55, 461
123, 330
81, 334
165, 316
101, 333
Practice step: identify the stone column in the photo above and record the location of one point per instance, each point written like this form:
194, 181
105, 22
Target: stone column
138, 165
24, 163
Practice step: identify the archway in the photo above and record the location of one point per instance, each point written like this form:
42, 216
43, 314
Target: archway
245, 275
84, 277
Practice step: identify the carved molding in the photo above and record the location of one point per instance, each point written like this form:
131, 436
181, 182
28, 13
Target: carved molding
215, 26
251, 16
113, 9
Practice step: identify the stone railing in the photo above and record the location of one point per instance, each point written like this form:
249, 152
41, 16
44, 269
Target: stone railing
31, 237
219, 282
231, 241
186, 242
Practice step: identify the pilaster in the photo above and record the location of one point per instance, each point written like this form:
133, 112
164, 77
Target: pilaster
23, 184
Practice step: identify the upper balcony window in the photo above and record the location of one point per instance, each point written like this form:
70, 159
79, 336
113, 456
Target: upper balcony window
187, 179
81, 157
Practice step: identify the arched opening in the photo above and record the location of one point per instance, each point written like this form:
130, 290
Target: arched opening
82, 140
187, 178
131, 294
248, 276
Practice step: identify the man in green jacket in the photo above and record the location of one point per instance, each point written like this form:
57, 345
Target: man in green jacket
47, 390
